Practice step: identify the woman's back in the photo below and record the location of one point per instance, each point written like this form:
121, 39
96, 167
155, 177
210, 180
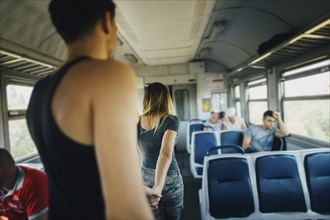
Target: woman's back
151, 140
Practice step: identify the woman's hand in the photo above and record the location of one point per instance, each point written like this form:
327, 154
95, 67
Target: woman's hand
153, 197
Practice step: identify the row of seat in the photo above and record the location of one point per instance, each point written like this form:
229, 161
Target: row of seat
267, 185
203, 141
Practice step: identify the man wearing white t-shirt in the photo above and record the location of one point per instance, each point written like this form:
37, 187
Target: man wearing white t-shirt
233, 122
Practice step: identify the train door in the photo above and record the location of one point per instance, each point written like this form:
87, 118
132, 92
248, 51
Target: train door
184, 100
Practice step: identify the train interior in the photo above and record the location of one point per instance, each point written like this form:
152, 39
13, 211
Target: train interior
208, 53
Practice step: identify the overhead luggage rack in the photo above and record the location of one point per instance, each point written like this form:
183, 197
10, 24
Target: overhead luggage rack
306, 41
23, 64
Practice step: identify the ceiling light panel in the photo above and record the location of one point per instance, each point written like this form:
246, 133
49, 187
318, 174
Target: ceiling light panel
163, 31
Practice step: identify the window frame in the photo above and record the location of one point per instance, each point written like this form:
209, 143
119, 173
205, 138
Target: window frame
247, 92
226, 100
13, 78
16, 114
299, 75
237, 99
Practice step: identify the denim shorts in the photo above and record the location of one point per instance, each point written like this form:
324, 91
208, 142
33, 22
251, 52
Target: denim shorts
171, 203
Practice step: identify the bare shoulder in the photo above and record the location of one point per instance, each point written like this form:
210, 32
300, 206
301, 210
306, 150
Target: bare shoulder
112, 68
110, 75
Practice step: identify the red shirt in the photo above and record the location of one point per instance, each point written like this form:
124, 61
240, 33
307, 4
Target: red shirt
29, 197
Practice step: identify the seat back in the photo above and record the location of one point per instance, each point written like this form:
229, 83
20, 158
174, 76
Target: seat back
278, 184
226, 149
192, 127
209, 127
196, 120
203, 141
229, 188
231, 137
278, 144
317, 169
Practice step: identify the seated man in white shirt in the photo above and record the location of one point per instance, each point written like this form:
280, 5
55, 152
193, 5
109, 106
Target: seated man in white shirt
233, 122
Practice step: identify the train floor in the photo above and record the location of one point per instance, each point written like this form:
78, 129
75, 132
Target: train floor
191, 209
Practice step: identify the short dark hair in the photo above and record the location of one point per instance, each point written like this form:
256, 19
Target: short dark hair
73, 19
6, 160
222, 114
268, 113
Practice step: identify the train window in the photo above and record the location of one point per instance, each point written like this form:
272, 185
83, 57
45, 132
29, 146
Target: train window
21, 144
305, 103
237, 99
20, 140
308, 86
18, 96
257, 100
219, 101
182, 104
237, 91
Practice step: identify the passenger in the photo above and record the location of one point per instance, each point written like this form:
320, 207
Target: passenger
85, 138
23, 191
213, 121
261, 137
233, 122
158, 129
222, 116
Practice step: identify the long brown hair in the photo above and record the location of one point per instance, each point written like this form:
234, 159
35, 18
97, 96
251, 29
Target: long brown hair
157, 104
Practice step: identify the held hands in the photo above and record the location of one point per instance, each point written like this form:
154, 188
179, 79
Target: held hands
3, 218
153, 197
277, 116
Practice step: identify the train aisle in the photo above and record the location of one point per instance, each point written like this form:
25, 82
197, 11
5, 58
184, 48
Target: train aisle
191, 210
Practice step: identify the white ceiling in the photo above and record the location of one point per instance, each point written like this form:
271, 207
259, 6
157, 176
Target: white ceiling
163, 32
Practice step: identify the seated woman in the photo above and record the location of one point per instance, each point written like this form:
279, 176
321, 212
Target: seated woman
213, 122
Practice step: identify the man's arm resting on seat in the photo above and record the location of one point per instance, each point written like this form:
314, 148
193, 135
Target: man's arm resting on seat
247, 138
246, 142
243, 126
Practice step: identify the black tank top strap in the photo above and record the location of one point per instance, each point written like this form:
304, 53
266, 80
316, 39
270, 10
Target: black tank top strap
65, 68
56, 79
54, 82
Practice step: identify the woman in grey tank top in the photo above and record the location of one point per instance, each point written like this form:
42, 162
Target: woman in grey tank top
157, 132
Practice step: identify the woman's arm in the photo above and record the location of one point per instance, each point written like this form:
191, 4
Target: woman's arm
164, 159
140, 151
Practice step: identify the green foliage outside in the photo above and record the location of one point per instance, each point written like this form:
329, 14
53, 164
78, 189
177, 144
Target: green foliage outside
21, 144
